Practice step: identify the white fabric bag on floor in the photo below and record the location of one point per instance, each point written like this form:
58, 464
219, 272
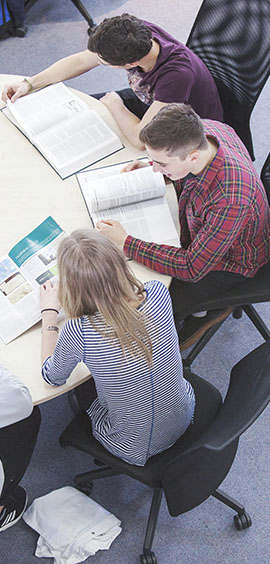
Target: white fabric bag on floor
71, 526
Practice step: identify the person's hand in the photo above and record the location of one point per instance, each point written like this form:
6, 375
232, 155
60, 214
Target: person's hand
48, 297
113, 230
134, 166
112, 100
15, 90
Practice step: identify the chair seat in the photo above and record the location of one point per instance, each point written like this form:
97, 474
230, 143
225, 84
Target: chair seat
78, 434
252, 290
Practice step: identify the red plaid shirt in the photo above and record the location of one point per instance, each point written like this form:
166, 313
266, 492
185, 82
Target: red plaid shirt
224, 217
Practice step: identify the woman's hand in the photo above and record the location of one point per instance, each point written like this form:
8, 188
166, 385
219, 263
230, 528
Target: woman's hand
49, 296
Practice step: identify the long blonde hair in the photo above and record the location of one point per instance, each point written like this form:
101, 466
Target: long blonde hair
94, 277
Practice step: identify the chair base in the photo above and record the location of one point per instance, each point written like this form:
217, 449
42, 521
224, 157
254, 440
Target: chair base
201, 343
254, 317
242, 520
103, 472
83, 11
83, 482
77, 3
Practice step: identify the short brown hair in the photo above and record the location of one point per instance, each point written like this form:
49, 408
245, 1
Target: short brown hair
121, 40
176, 128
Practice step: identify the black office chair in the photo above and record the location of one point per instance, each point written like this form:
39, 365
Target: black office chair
253, 290
77, 3
233, 40
194, 467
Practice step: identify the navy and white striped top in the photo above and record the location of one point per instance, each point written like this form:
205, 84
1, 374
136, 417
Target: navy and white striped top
140, 410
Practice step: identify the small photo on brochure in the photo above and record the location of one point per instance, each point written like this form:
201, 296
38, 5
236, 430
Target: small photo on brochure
15, 288
45, 276
48, 255
7, 267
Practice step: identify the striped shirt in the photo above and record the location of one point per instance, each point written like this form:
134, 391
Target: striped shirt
224, 217
140, 410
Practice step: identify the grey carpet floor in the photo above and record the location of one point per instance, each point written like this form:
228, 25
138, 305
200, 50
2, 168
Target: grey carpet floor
207, 534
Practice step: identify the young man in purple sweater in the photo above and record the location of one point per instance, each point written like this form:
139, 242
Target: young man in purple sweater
160, 70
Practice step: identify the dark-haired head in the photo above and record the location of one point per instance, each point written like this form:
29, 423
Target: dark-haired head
121, 40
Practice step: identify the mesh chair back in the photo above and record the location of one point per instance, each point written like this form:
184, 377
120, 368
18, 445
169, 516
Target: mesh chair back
265, 177
195, 474
233, 40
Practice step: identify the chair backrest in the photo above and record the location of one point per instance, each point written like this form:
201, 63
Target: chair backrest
196, 473
265, 177
233, 40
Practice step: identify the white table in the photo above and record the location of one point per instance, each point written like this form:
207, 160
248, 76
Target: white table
30, 191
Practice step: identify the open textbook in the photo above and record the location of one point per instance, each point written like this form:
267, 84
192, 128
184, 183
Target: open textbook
29, 264
63, 128
136, 199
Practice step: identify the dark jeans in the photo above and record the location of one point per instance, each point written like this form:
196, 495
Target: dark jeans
131, 101
187, 296
16, 7
17, 443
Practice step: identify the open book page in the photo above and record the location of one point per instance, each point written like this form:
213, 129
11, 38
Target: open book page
109, 188
75, 144
46, 108
29, 264
150, 220
66, 131
147, 217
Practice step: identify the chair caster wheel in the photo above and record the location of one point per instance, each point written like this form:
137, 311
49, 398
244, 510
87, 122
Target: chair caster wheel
242, 521
149, 558
91, 29
85, 487
237, 312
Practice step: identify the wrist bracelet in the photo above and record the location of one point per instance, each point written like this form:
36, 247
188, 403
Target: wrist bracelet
52, 328
49, 309
30, 86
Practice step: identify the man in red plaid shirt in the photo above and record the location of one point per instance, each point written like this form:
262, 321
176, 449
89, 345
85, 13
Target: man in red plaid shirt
223, 213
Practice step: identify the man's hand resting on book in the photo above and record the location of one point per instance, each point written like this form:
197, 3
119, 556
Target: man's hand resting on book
113, 230
112, 100
133, 166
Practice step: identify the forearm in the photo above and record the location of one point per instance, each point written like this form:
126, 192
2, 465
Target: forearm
176, 262
129, 124
64, 69
160, 258
209, 249
48, 337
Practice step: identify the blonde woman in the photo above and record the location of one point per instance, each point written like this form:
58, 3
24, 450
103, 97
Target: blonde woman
125, 334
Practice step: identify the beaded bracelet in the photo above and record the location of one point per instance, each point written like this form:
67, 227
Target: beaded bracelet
52, 328
30, 86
